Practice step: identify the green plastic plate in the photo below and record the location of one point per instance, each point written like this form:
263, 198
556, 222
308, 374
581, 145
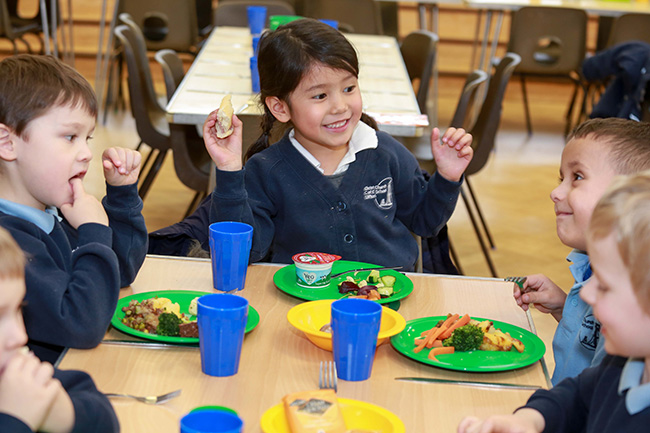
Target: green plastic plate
476, 360
183, 297
285, 280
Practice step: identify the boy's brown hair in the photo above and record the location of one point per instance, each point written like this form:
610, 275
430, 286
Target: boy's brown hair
32, 84
629, 141
624, 210
12, 258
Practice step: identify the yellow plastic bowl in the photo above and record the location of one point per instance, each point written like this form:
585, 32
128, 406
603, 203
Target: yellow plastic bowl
356, 414
309, 317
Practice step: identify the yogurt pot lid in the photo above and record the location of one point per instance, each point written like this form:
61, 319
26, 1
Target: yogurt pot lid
315, 258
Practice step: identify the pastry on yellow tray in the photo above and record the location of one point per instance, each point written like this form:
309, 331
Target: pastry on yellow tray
314, 412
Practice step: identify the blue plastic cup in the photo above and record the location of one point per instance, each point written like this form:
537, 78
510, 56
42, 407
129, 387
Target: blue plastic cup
222, 324
255, 75
256, 19
211, 421
256, 41
331, 23
230, 248
355, 326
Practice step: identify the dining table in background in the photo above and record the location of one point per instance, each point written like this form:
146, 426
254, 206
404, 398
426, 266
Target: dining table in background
277, 359
222, 67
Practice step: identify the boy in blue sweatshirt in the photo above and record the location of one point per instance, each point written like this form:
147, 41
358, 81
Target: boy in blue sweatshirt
80, 251
614, 396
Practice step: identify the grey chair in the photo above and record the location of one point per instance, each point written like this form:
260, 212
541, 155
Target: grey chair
354, 16
14, 28
192, 162
233, 12
629, 27
418, 50
551, 43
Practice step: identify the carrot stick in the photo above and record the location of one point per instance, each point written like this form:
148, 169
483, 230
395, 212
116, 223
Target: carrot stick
437, 343
425, 333
431, 336
418, 340
460, 322
440, 351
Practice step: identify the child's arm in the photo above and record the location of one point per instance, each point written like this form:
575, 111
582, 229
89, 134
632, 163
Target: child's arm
121, 166
225, 152
545, 294
523, 421
80, 405
27, 389
452, 153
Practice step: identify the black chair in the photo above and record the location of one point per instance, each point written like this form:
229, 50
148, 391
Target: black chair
149, 116
353, 16
418, 50
551, 43
192, 162
14, 27
629, 27
233, 12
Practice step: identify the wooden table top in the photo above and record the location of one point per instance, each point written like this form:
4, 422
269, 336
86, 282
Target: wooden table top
277, 359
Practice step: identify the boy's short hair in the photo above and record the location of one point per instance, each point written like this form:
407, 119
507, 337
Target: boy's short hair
624, 210
12, 258
32, 84
629, 140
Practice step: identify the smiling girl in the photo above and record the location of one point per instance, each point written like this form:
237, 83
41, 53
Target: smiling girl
332, 183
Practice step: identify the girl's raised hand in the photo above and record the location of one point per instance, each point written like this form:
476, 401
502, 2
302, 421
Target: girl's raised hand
121, 166
452, 153
225, 152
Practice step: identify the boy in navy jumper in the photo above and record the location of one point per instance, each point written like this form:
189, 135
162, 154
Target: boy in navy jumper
614, 396
80, 251
33, 395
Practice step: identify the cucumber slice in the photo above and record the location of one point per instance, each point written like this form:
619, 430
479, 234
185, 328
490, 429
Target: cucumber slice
373, 277
388, 280
385, 291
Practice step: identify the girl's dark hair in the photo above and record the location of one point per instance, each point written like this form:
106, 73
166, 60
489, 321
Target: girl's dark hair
287, 54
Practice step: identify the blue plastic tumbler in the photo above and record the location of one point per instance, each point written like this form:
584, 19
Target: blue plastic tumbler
255, 75
222, 324
230, 247
355, 326
256, 19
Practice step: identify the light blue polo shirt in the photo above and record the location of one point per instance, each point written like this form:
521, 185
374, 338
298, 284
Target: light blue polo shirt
43, 219
638, 394
577, 343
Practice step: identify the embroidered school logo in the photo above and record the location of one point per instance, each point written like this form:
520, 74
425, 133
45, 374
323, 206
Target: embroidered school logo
589, 332
382, 193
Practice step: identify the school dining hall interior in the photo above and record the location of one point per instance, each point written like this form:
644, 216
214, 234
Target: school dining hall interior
512, 187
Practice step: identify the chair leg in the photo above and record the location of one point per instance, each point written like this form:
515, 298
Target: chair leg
524, 94
151, 174
480, 214
569, 113
200, 195
454, 257
486, 252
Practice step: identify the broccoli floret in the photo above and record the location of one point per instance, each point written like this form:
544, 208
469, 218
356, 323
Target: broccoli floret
168, 325
465, 338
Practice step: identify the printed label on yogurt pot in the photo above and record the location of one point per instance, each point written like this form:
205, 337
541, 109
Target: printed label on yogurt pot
315, 258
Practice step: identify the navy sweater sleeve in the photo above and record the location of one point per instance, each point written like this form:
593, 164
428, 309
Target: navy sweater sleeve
124, 209
12, 424
93, 412
71, 294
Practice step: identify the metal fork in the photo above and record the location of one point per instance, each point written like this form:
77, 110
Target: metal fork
327, 376
151, 399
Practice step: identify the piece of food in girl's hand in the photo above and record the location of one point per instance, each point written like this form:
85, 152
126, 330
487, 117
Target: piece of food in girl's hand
223, 124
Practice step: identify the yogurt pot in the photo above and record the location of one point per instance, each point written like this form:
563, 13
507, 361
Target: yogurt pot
313, 270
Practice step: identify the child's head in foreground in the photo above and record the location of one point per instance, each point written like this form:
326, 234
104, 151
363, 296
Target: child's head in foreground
12, 291
308, 77
596, 151
47, 115
618, 242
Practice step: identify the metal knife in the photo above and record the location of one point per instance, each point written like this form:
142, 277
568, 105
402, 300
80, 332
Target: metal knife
469, 383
